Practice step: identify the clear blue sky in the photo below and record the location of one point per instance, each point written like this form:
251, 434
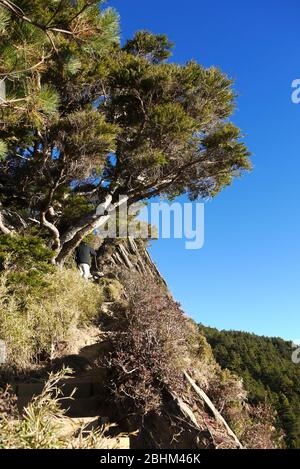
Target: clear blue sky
246, 277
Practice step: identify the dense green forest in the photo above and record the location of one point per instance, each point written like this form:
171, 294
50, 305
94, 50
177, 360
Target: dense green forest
268, 372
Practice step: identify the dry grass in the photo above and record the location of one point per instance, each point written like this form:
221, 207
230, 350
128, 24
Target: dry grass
34, 323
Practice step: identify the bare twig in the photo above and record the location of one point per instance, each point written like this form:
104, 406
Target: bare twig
25, 70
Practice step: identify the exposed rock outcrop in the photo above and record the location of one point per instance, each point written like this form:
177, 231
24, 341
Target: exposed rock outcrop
130, 254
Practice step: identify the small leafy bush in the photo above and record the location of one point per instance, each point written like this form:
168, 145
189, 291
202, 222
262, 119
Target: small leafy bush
25, 252
26, 260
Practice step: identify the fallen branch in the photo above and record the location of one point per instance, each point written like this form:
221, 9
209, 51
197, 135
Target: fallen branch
212, 408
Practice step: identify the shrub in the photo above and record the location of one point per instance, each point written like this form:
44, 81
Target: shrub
26, 260
112, 289
34, 324
261, 431
27, 252
149, 346
226, 390
202, 365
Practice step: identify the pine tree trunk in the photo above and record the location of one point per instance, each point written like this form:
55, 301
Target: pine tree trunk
76, 234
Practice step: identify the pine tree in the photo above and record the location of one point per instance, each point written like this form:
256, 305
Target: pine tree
289, 421
34, 38
98, 121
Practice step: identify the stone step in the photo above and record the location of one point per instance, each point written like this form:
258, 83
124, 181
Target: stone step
118, 442
71, 426
68, 426
88, 407
79, 388
80, 407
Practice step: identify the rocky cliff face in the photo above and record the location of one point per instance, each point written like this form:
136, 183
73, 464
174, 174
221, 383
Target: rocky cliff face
131, 255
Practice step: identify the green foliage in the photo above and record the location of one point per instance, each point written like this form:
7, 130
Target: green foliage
84, 138
65, 36
171, 119
47, 99
26, 259
72, 65
25, 252
4, 20
73, 209
106, 28
180, 113
267, 370
154, 48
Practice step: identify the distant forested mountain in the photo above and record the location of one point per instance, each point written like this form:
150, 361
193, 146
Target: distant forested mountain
266, 366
